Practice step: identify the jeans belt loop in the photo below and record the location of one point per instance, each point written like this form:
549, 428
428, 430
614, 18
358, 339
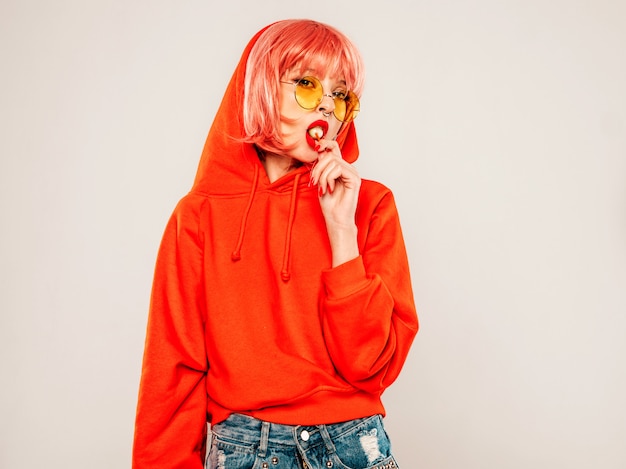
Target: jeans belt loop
330, 446
265, 433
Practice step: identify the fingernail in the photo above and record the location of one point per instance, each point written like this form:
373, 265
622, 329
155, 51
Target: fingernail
319, 191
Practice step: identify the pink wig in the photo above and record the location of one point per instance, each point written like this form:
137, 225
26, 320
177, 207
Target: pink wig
292, 45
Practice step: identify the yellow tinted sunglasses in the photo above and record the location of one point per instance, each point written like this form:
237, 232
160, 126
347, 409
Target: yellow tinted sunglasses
309, 93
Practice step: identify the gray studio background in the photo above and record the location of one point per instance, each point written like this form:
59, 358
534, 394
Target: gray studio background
501, 128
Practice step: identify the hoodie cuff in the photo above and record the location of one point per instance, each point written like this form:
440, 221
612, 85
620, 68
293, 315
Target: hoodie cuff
345, 279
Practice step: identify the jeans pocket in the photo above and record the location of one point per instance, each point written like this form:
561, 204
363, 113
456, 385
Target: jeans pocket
365, 446
225, 453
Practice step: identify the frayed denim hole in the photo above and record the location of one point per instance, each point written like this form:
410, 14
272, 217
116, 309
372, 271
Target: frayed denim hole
369, 443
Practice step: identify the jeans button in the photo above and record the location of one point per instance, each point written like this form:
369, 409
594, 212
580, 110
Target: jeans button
329, 464
305, 435
274, 460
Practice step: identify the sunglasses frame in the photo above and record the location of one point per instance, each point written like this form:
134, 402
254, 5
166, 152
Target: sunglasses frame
351, 100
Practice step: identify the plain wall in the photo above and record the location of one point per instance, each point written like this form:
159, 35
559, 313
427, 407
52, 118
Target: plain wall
499, 125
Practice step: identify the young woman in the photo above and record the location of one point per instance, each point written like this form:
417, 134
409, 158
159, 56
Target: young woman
282, 305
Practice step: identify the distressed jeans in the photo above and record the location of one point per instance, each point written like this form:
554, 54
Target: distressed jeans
243, 442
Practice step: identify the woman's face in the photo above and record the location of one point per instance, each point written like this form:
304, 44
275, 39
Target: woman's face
296, 122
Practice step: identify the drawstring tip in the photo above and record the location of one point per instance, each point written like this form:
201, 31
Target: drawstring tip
285, 276
235, 256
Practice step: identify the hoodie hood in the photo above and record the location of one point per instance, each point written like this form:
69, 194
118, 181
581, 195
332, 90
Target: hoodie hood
228, 165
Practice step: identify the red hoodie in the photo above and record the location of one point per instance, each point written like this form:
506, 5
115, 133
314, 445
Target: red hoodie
247, 314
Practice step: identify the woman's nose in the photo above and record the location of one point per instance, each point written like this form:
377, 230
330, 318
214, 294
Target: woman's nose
327, 104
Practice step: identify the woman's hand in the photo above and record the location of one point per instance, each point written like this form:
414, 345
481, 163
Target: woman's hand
338, 185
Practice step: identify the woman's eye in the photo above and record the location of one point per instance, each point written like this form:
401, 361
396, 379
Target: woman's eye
340, 94
305, 83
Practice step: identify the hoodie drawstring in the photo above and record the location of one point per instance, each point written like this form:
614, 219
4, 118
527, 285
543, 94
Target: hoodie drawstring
284, 273
236, 254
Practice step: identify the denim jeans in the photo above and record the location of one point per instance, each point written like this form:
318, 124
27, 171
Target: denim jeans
243, 442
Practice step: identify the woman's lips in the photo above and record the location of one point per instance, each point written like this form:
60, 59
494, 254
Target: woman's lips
315, 132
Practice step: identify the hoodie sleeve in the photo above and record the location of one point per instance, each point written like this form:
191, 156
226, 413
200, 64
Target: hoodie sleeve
368, 311
170, 427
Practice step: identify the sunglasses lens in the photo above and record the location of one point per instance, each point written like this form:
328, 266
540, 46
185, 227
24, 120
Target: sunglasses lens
309, 92
347, 107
